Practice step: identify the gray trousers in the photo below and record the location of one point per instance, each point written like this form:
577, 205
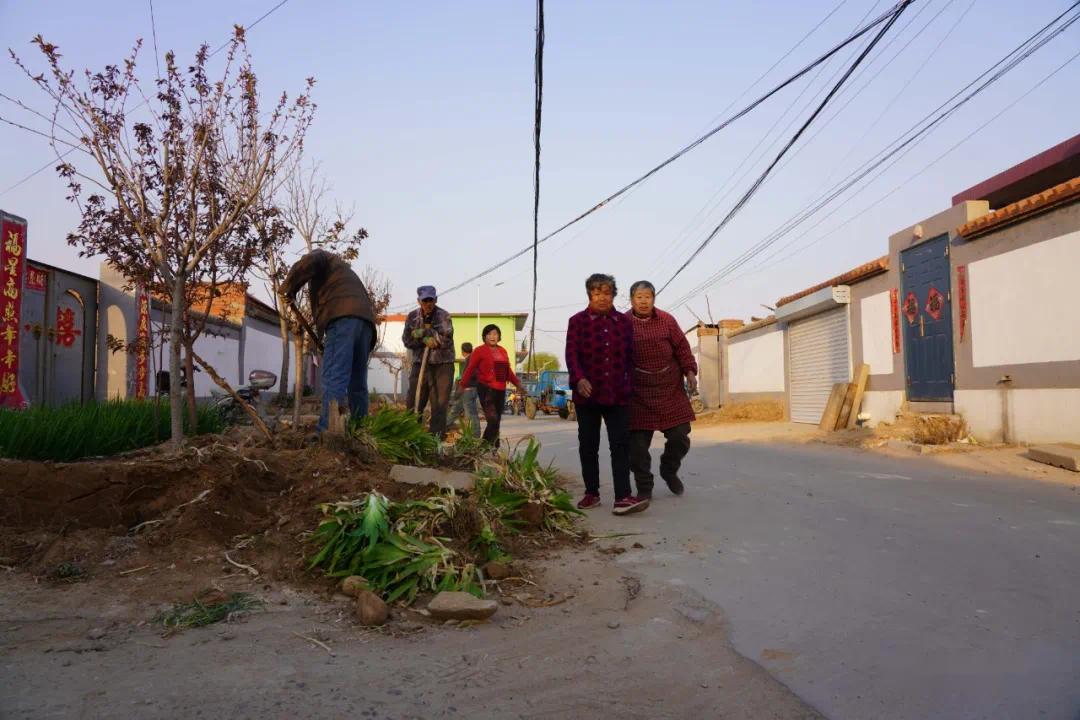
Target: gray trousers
676, 447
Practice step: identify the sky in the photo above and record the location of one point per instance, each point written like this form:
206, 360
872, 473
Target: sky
425, 119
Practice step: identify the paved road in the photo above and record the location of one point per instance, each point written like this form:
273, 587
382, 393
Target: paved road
872, 586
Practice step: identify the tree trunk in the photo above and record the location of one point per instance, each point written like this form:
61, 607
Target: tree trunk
189, 373
298, 394
176, 399
283, 323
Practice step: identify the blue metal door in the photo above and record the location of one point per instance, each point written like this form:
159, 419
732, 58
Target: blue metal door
926, 308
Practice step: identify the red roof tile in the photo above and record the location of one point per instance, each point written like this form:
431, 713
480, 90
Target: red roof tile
863, 272
1057, 195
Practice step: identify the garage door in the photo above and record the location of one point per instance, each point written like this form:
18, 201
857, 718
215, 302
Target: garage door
819, 359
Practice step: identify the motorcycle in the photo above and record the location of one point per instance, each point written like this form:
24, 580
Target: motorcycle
226, 404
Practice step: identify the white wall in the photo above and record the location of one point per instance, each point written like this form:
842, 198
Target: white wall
756, 365
882, 405
877, 351
391, 331
222, 354
262, 351
1035, 415
1020, 304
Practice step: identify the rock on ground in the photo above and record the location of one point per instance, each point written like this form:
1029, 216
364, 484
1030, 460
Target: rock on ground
461, 606
460, 481
370, 608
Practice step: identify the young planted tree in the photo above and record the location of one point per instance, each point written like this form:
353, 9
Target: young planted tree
175, 190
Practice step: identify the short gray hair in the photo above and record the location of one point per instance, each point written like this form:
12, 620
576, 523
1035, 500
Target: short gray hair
599, 280
642, 285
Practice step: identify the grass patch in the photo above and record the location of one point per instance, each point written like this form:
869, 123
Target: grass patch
399, 436
199, 614
77, 431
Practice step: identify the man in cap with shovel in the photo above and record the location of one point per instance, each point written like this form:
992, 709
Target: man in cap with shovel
429, 334
345, 318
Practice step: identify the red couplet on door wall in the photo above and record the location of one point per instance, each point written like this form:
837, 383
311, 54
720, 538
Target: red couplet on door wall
961, 286
894, 308
12, 267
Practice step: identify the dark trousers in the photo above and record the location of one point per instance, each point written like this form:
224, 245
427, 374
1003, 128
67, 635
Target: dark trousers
438, 381
345, 366
491, 402
675, 448
617, 420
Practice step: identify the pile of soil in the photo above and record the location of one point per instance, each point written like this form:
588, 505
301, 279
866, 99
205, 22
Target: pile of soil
184, 511
760, 411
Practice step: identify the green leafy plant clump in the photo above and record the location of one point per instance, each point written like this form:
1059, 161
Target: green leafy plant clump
436, 543
520, 479
75, 431
398, 435
198, 614
378, 539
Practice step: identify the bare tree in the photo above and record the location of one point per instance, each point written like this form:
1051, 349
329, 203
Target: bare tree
307, 210
175, 192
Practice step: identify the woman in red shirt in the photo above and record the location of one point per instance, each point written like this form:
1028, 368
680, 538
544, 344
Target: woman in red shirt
491, 366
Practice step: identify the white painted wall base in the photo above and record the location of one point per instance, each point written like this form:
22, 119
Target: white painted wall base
1038, 415
882, 405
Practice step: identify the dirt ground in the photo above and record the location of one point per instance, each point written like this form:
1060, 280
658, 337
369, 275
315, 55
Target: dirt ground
612, 647
574, 636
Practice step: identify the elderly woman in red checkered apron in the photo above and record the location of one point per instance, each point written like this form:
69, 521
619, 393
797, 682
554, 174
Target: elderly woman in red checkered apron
662, 359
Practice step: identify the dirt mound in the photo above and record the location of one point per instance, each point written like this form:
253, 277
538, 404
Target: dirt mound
253, 500
760, 411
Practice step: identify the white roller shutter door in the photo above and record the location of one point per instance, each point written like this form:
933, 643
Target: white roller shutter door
819, 359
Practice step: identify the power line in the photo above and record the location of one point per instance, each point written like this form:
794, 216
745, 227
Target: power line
734, 178
917, 132
250, 27
538, 81
680, 153
153, 30
794, 138
911, 177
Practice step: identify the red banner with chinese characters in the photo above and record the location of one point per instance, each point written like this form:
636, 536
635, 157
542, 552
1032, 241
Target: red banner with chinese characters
894, 309
961, 285
37, 279
142, 343
12, 267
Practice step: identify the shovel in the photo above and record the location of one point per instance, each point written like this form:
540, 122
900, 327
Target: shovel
420, 379
305, 325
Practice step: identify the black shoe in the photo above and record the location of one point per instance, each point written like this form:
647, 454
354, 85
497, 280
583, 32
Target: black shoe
675, 485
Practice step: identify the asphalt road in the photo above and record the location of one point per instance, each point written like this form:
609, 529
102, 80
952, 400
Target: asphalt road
872, 586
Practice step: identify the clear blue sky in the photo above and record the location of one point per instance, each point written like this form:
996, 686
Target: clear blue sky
425, 122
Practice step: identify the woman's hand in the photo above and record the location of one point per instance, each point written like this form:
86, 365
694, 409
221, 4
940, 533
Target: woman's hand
691, 383
584, 388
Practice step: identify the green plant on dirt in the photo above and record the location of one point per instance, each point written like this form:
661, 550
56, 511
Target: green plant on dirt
398, 435
467, 451
519, 479
198, 613
381, 540
75, 431
67, 572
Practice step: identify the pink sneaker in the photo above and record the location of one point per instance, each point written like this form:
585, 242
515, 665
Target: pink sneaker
589, 502
629, 504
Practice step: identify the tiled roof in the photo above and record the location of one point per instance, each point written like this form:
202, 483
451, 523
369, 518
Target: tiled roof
1057, 195
863, 272
753, 326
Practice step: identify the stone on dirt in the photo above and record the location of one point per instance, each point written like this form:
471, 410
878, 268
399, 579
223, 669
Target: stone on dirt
1062, 456
370, 608
532, 514
496, 570
354, 584
460, 481
461, 606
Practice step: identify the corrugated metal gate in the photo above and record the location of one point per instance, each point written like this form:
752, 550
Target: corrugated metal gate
819, 358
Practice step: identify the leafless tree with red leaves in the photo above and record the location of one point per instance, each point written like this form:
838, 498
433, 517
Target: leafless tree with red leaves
176, 193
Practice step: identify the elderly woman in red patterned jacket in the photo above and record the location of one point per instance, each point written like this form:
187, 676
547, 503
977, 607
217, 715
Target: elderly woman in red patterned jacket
662, 358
